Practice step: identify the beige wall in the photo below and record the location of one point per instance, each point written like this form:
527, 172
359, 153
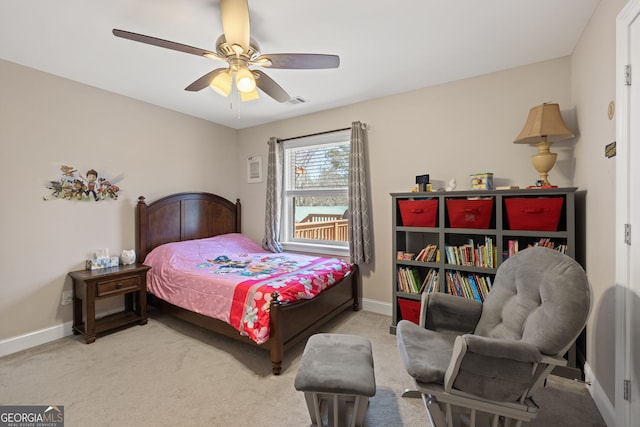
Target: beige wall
593, 86
46, 121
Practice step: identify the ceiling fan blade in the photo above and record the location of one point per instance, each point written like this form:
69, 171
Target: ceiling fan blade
235, 22
300, 60
270, 87
205, 80
154, 41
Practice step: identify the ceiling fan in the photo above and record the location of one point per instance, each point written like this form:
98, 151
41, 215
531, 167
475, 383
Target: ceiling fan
240, 51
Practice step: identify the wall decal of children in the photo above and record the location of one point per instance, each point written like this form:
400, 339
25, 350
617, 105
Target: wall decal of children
92, 185
74, 186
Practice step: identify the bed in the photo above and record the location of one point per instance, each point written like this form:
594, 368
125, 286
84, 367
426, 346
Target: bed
204, 219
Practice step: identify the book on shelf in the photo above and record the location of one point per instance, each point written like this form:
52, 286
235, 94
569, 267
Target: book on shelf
471, 286
429, 253
404, 255
430, 282
470, 254
474, 289
513, 246
409, 280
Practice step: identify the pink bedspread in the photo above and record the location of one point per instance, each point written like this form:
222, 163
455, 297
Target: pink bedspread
231, 278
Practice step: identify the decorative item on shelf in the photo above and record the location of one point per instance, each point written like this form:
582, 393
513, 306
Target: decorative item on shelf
128, 257
423, 183
544, 125
451, 185
482, 181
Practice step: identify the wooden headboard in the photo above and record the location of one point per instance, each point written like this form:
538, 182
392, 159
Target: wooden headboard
183, 216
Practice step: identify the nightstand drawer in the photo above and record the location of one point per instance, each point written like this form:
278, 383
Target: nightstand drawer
122, 285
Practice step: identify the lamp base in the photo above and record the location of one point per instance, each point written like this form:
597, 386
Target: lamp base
544, 160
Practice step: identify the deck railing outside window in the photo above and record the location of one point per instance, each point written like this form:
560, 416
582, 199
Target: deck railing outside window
323, 227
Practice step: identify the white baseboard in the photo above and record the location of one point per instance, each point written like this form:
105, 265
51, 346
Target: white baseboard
606, 408
35, 338
376, 306
43, 336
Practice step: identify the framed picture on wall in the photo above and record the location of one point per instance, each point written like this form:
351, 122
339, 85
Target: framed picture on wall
254, 169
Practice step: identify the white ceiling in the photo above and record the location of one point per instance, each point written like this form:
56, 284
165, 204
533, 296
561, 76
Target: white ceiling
385, 47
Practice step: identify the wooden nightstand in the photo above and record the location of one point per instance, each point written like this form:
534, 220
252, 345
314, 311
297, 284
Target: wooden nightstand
92, 285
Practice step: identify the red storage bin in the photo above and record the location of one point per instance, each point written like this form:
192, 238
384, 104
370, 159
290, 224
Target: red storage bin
469, 213
410, 310
418, 213
533, 213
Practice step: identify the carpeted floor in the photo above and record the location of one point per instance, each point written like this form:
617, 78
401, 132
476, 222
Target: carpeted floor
169, 373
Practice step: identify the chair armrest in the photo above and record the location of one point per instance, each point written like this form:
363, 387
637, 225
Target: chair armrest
449, 313
497, 369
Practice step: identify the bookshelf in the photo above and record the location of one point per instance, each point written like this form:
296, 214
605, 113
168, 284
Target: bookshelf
451, 255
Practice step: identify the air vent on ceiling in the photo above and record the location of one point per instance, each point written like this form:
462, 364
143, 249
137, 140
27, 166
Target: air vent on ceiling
297, 100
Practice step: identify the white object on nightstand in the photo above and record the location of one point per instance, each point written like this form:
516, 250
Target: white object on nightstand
128, 257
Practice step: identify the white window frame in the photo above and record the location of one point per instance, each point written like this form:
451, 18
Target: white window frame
288, 241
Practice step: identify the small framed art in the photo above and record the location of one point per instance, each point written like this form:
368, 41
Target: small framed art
254, 169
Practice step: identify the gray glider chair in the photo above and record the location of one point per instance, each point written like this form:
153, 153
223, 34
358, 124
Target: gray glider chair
483, 361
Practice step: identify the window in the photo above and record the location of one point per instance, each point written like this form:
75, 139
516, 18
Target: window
316, 177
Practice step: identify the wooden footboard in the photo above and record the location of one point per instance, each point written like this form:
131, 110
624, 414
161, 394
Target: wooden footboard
291, 323
187, 216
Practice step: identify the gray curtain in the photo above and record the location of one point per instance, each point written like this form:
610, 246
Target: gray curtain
273, 209
359, 225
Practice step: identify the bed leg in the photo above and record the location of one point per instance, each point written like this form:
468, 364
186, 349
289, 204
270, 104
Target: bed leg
355, 274
276, 336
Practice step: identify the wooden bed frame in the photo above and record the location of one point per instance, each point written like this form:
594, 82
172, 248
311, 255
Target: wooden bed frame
187, 216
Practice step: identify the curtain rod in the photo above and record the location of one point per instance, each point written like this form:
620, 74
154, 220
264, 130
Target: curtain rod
313, 134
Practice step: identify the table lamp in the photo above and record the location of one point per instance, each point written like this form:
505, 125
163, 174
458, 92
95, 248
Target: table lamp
544, 126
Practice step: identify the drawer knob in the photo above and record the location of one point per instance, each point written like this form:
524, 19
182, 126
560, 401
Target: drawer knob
119, 285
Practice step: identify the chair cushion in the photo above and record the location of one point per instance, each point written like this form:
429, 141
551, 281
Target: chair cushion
496, 369
539, 296
415, 343
502, 379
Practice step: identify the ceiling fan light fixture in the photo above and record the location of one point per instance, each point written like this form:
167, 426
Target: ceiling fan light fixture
262, 61
221, 84
249, 96
236, 47
245, 82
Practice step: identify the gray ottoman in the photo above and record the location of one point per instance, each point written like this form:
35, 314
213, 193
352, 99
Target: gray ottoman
337, 368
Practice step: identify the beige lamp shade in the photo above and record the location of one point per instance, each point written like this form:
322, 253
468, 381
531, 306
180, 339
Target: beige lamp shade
544, 120
544, 125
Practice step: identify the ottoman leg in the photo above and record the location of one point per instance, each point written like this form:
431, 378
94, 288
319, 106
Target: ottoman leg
313, 405
359, 409
334, 411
